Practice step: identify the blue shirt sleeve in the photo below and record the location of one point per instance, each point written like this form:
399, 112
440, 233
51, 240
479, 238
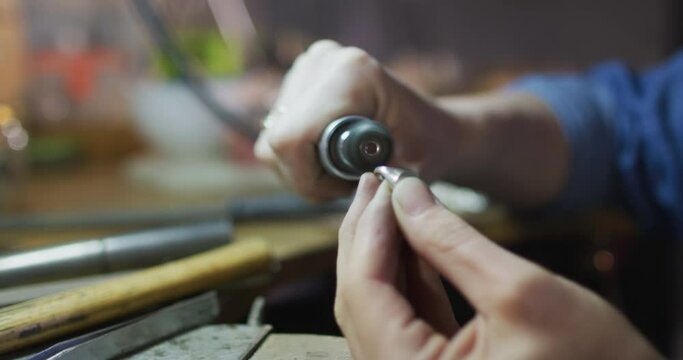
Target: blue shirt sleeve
625, 131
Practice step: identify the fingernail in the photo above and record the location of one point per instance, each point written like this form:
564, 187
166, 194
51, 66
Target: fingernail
413, 196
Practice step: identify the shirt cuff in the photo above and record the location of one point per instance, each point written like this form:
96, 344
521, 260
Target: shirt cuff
584, 110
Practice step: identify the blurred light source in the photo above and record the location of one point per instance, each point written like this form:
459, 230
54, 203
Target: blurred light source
18, 139
6, 115
15, 135
603, 261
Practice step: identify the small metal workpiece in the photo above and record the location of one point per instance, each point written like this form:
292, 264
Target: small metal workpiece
392, 175
353, 145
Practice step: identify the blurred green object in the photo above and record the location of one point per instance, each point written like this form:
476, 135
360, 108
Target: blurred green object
53, 149
212, 53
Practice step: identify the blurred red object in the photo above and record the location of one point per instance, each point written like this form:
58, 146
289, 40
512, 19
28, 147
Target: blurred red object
78, 70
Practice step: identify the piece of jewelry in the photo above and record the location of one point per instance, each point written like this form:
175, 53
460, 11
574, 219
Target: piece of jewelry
392, 175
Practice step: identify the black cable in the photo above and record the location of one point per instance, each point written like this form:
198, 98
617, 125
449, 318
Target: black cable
194, 82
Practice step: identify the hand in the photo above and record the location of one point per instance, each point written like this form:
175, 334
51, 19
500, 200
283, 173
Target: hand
390, 303
329, 81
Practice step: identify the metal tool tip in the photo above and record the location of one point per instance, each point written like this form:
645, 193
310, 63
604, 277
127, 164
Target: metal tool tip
392, 175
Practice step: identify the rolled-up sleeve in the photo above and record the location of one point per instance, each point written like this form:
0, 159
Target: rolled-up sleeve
625, 131
583, 109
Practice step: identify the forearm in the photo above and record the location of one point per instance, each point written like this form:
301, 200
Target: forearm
513, 147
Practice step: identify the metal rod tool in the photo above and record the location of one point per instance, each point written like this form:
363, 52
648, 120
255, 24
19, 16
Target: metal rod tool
110, 254
59, 314
144, 248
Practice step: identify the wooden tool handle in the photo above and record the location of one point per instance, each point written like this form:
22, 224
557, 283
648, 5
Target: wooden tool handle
48, 317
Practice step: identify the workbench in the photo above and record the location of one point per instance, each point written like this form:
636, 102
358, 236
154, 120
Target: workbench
77, 188
304, 247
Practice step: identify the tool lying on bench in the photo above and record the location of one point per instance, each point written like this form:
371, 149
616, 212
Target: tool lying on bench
130, 335
145, 248
45, 318
183, 331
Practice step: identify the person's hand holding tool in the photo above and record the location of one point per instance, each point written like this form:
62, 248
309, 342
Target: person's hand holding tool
390, 303
328, 82
505, 143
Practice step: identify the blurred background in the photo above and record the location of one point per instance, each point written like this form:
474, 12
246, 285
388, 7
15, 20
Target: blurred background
91, 88
96, 116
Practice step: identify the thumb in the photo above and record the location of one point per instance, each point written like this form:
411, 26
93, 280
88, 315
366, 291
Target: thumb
475, 265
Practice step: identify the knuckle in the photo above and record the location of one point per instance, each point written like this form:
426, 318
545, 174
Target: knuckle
298, 64
532, 296
321, 46
513, 296
357, 57
314, 54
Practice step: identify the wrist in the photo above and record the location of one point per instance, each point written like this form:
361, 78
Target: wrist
458, 151
507, 144
429, 138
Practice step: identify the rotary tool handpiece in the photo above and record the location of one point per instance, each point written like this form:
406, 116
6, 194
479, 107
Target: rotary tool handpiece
353, 145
